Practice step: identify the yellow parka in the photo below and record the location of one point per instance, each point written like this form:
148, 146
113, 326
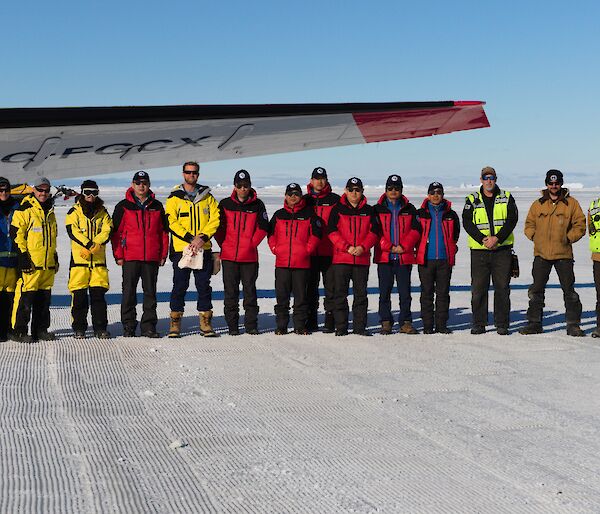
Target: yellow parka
85, 232
189, 218
34, 232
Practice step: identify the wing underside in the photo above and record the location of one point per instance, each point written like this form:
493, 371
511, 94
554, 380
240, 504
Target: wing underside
83, 141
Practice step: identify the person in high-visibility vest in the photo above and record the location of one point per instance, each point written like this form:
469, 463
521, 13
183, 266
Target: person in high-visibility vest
594, 230
489, 216
554, 223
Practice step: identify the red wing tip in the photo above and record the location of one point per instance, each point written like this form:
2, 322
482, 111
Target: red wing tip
466, 103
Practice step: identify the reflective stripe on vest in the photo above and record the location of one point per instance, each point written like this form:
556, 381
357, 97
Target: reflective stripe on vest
595, 217
481, 221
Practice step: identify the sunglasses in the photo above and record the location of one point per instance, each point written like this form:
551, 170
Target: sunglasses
191, 172
242, 186
141, 182
554, 183
393, 188
488, 177
294, 193
43, 190
437, 192
90, 192
355, 190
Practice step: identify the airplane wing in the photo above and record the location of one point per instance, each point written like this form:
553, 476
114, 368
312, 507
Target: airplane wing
81, 141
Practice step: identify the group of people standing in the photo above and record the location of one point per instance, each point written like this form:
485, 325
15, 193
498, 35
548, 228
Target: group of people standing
315, 236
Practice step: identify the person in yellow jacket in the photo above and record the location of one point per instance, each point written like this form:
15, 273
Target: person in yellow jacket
89, 227
594, 230
554, 223
34, 231
193, 217
8, 258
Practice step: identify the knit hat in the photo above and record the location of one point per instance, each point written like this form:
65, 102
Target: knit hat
4, 182
141, 175
242, 177
41, 181
554, 176
293, 188
319, 172
433, 186
354, 182
488, 170
394, 181
89, 184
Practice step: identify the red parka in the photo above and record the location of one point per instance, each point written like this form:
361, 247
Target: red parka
352, 226
140, 234
243, 227
408, 231
322, 203
450, 231
294, 235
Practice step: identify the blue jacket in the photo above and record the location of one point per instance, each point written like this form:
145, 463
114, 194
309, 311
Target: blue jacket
436, 249
8, 252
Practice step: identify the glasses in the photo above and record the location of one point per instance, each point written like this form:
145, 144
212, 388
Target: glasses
488, 177
294, 193
191, 172
393, 188
141, 182
437, 192
242, 186
4, 190
90, 192
43, 190
355, 190
554, 183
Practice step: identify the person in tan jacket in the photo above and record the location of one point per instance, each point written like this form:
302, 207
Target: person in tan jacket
554, 222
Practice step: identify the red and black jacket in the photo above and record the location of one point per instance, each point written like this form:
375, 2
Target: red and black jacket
294, 235
140, 234
243, 227
349, 226
322, 203
450, 231
408, 230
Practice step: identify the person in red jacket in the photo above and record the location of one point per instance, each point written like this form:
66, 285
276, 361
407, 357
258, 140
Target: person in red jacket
321, 199
140, 243
353, 229
294, 234
435, 255
243, 225
395, 253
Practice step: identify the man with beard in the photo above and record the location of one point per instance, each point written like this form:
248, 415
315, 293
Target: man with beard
34, 231
89, 227
244, 224
8, 258
321, 199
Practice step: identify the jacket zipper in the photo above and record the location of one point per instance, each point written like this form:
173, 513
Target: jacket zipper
236, 225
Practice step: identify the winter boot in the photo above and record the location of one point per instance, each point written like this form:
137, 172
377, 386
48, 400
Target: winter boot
175, 324
329, 327
575, 331
386, 328
206, 324
531, 328
407, 328
596, 333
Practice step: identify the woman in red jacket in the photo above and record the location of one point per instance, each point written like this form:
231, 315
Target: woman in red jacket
353, 229
295, 232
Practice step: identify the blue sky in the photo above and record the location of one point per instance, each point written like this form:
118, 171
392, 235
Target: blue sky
535, 64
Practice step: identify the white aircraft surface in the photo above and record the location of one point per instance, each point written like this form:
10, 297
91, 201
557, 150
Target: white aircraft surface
318, 424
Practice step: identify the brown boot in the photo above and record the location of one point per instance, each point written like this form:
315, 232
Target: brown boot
386, 328
175, 325
206, 324
407, 328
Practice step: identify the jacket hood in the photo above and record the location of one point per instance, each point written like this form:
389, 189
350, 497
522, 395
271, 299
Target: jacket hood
201, 192
344, 201
298, 207
252, 197
562, 197
403, 201
130, 195
446, 203
321, 194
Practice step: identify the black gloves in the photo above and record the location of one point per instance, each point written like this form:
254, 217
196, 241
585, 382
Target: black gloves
25, 264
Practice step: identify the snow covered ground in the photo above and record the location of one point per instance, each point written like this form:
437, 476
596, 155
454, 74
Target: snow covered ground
257, 424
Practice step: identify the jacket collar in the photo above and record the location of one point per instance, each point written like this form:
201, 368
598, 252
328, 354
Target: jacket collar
298, 207
252, 197
562, 197
321, 194
362, 203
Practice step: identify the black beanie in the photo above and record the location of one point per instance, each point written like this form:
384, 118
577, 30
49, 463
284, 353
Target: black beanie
89, 184
554, 176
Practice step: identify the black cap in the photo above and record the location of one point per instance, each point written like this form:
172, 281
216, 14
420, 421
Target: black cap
319, 172
433, 186
141, 175
554, 176
242, 177
394, 180
354, 182
4, 182
293, 188
89, 184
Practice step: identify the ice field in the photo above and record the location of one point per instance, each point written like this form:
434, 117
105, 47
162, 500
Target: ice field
313, 424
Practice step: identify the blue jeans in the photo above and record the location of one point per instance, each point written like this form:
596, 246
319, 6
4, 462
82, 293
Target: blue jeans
401, 273
181, 282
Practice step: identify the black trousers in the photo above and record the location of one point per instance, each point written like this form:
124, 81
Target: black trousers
79, 309
342, 274
34, 304
566, 276
597, 282
435, 278
233, 274
319, 266
486, 264
6, 305
291, 281
132, 272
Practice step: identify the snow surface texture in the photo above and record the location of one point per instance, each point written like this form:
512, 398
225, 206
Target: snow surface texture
318, 424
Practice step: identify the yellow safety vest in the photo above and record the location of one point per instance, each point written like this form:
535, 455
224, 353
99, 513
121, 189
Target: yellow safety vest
481, 221
595, 217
